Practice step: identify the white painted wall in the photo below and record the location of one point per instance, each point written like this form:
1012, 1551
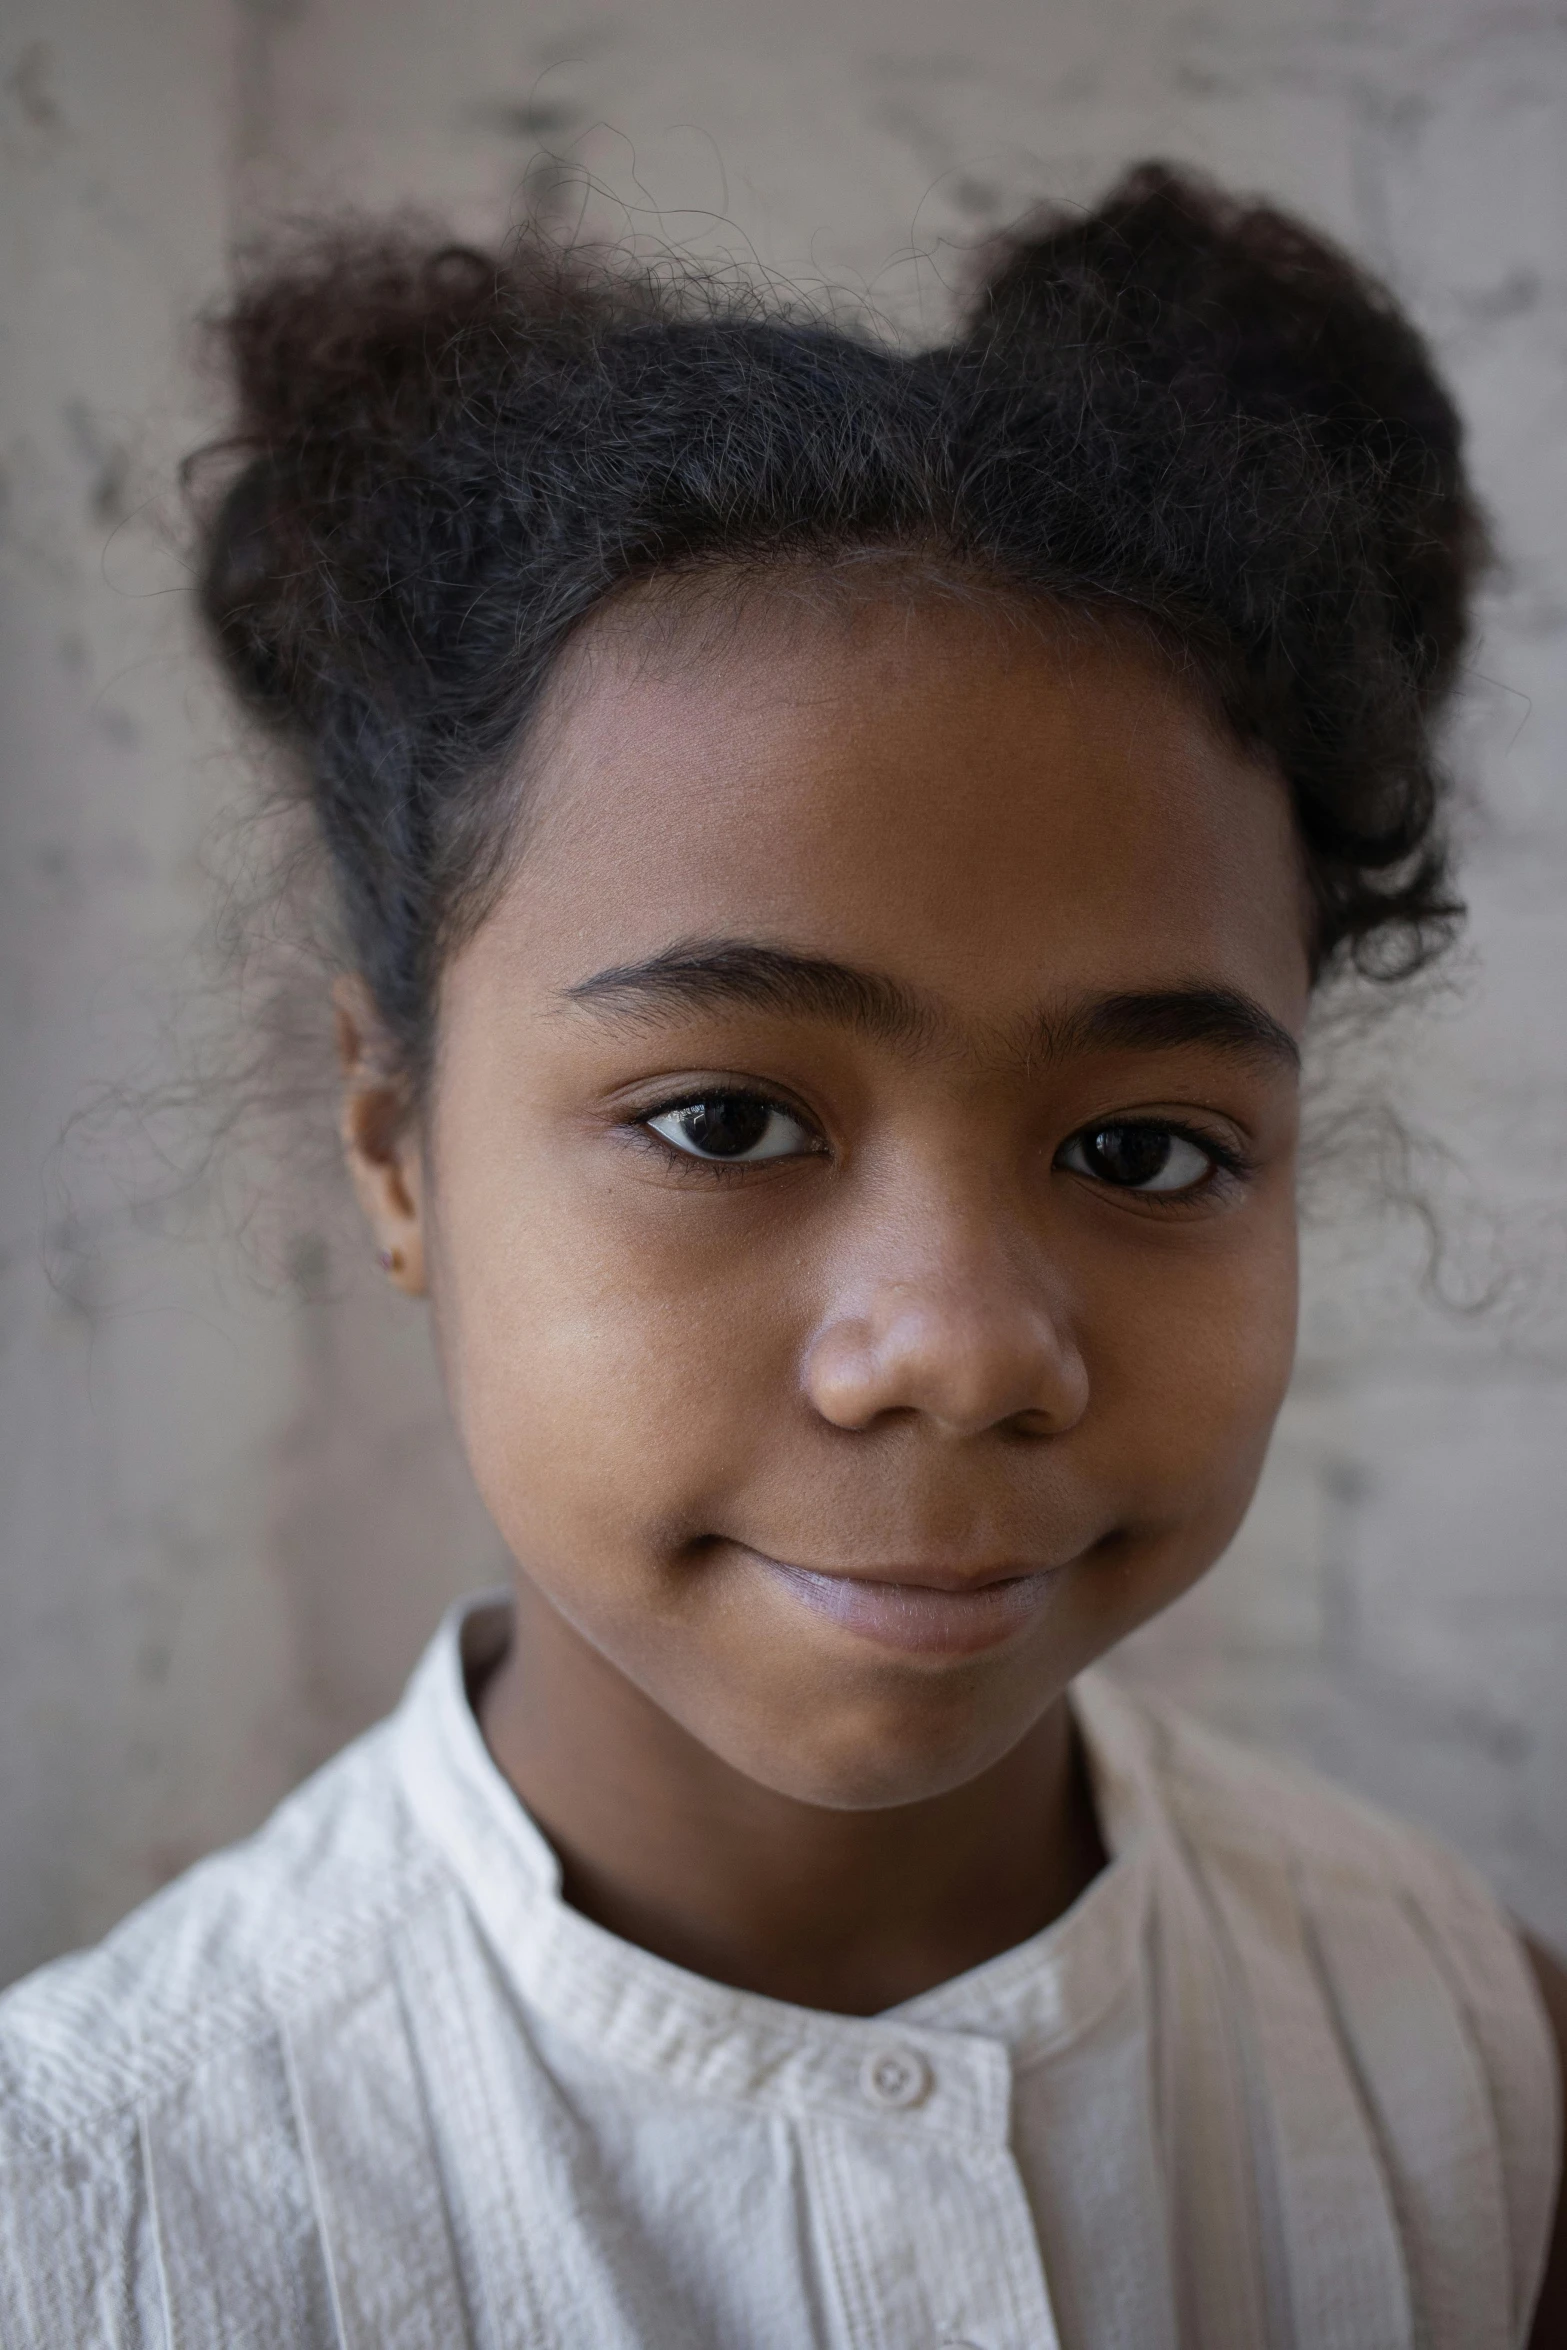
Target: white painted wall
229, 1513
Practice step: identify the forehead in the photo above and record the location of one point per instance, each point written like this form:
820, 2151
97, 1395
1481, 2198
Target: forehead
988, 803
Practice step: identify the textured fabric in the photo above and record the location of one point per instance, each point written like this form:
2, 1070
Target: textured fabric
1279, 2078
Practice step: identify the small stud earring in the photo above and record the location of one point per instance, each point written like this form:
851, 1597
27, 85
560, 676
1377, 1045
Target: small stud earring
390, 1260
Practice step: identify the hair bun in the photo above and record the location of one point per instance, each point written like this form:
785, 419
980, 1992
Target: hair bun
335, 361
1240, 315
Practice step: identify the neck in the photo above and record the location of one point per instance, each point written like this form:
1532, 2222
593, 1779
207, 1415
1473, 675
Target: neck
671, 1848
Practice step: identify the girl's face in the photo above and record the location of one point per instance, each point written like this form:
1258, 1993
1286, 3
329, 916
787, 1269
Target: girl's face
858, 1189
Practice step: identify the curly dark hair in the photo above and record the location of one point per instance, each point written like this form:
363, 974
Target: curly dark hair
1178, 408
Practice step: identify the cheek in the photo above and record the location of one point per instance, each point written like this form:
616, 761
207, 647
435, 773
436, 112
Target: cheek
609, 1367
1194, 1369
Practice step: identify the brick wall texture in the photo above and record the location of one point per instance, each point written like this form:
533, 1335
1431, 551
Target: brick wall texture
230, 1509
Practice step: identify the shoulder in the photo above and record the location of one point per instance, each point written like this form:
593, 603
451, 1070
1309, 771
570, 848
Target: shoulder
1369, 1938
1235, 1800
257, 1932
1550, 2316
150, 2079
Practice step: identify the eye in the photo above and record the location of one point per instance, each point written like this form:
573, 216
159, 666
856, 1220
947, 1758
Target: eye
1160, 1160
733, 1129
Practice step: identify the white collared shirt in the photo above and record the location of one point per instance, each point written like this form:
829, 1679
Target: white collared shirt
1280, 2077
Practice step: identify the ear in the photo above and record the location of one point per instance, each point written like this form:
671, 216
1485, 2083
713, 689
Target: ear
381, 1140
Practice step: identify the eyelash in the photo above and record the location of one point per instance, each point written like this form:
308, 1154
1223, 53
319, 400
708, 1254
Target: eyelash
722, 1170
1230, 1167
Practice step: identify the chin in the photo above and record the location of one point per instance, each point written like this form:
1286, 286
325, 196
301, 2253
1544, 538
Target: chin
907, 1754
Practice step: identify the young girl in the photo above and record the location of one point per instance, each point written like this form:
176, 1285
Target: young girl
835, 850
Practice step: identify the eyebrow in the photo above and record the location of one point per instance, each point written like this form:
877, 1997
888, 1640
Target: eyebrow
703, 972
1164, 1018
709, 973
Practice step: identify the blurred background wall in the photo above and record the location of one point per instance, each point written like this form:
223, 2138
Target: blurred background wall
230, 1511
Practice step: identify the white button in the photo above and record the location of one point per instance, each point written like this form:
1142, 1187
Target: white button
895, 2077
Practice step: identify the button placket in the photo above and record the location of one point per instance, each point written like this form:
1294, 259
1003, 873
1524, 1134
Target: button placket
929, 2240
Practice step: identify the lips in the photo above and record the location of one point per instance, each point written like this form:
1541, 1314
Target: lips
924, 1610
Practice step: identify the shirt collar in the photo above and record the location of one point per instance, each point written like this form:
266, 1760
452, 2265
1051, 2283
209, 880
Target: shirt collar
952, 2048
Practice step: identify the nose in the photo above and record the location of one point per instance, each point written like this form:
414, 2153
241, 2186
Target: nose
968, 1338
